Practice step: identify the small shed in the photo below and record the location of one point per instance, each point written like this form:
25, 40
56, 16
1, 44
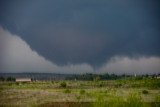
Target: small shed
23, 80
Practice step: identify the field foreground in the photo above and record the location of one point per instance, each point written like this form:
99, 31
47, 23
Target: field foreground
112, 93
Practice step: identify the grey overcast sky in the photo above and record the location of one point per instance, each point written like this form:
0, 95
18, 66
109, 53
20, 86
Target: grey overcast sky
80, 36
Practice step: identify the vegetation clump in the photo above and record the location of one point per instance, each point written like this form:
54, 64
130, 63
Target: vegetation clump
145, 92
63, 84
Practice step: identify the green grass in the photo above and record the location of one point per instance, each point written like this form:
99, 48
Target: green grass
111, 93
82, 92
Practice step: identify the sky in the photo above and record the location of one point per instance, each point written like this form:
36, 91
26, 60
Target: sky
80, 36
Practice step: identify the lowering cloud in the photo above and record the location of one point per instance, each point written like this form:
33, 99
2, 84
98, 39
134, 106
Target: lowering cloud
17, 56
126, 65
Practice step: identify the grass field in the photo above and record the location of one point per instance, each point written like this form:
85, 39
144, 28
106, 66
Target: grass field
110, 93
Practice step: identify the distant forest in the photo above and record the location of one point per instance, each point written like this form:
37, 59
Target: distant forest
86, 77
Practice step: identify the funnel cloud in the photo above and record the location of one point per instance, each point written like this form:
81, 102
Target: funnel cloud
80, 36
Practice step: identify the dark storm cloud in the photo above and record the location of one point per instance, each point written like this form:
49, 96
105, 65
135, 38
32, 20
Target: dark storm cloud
17, 56
85, 31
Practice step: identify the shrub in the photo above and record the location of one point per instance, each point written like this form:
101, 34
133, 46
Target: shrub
63, 84
101, 84
145, 92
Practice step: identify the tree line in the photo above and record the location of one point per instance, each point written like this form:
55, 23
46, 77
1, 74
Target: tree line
85, 77
7, 79
91, 77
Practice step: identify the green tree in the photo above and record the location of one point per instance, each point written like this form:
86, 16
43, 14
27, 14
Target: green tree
11, 79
